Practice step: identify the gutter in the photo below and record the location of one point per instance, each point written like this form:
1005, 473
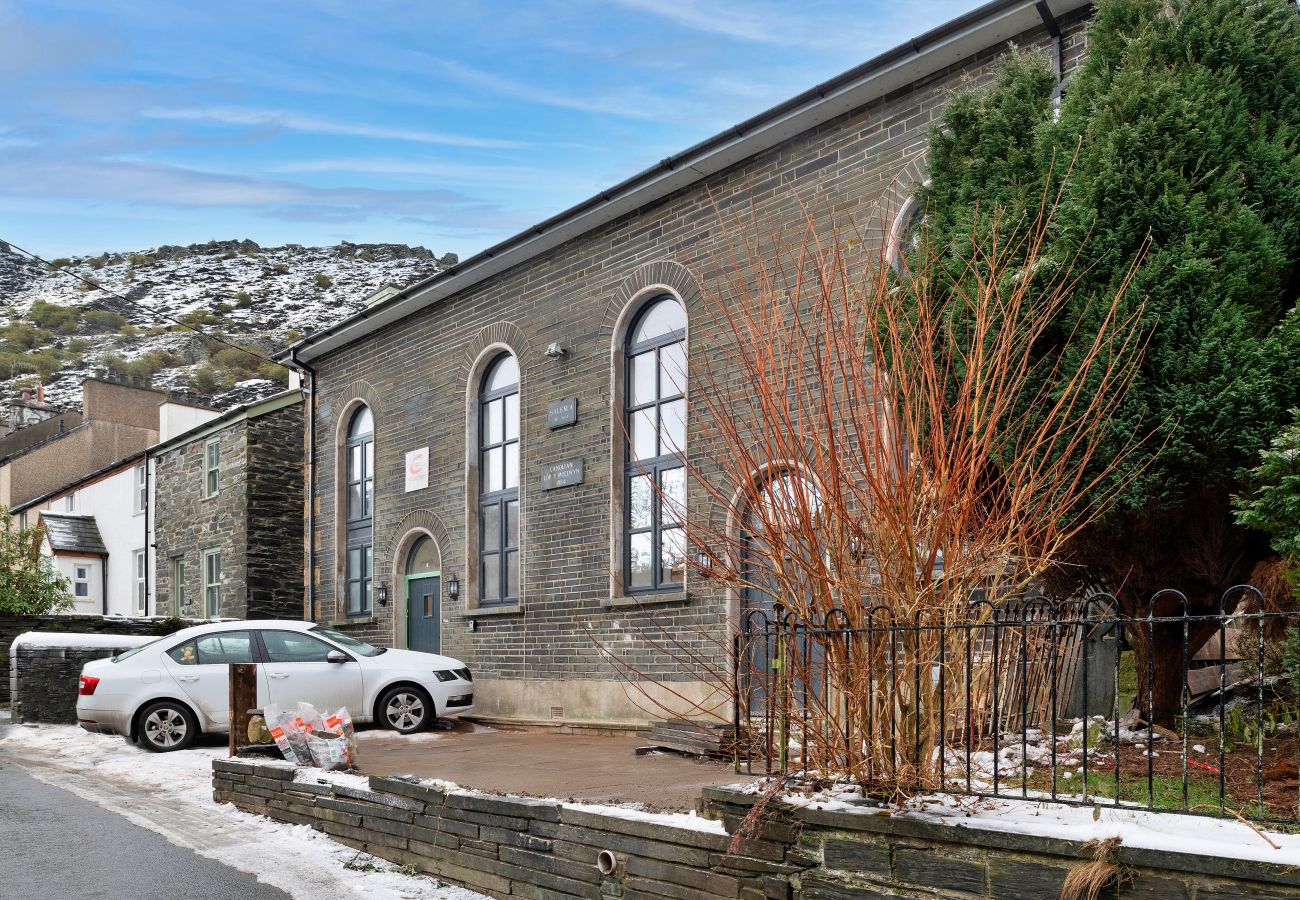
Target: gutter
892, 70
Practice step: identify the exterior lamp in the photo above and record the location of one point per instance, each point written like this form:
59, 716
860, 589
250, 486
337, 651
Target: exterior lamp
453, 588
381, 593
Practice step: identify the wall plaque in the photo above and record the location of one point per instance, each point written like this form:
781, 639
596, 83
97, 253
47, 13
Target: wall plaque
565, 473
560, 413
417, 469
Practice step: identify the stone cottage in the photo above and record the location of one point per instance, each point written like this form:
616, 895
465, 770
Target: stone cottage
480, 442
229, 500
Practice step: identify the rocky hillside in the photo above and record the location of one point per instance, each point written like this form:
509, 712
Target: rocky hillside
56, 329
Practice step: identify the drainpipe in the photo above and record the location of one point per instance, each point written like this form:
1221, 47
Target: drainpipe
311, 482
148, 534
1058, 65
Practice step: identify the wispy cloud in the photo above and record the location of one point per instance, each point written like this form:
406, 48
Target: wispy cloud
143, 183
292, 121
744, 22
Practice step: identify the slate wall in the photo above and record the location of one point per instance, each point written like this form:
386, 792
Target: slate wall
43, 681
520, 847
187, 523
544, 658
274, 484
255, 519
12, 626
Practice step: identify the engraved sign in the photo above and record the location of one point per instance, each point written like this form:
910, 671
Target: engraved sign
560, 413
561, 474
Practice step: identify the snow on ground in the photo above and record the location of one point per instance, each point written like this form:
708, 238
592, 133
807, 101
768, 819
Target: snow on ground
1170, 832
171, 793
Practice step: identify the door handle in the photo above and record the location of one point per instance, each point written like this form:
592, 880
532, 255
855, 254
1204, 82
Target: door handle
187, 678
277, 674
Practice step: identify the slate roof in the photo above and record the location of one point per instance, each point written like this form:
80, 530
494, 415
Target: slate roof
68, 533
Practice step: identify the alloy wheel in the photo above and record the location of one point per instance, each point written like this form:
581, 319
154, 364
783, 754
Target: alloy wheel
405, 710
165, 728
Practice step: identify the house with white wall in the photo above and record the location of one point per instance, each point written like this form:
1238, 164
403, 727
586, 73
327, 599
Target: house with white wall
99, 529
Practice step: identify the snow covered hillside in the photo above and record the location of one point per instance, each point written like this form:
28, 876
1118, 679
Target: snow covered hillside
57, 329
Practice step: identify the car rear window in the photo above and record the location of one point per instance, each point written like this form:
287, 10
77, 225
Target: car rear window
215, 649
127, 654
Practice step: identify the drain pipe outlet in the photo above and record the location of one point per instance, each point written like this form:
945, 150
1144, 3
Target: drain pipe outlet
606, 862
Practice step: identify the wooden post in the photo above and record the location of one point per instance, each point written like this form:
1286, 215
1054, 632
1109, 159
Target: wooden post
243, 697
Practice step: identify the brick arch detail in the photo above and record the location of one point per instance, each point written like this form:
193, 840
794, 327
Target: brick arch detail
885, 217
498, 333
348, 395
664, 272
424, 520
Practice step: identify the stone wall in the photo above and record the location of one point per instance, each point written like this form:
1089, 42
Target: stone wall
255, 519
274, 483
520, 847
541, 659
12, 626
187, 523
43, 681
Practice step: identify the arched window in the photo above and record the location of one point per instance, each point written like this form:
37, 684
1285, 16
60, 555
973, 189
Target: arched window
498, 510
655, 421
359, 511
423, 558
909, 227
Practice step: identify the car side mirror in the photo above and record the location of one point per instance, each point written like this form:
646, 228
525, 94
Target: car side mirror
336, 656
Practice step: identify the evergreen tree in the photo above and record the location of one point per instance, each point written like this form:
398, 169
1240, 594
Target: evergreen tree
1178, 146
29, 583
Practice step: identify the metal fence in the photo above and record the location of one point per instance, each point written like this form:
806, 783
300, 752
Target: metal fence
1034, 699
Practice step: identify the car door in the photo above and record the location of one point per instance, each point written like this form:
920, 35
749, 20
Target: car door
201, 666
297, 671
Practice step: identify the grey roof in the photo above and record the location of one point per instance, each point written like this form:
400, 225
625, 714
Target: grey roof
69, 533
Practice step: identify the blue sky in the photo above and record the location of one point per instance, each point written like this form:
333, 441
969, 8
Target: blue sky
125, 125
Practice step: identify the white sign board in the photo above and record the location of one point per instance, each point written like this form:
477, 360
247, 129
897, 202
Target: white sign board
417, 469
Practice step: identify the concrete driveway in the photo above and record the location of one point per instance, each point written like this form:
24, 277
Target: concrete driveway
594, 768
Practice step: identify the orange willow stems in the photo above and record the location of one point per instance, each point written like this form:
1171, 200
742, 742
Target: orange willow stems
861, 444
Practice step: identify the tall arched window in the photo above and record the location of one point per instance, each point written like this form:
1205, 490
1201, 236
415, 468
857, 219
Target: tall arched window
655, 476
359, 511
498, 511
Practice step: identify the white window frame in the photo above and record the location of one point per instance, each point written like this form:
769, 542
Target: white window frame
70, 502
141, 488
81, 578
141, 583
211, 467
211, 585
178, 583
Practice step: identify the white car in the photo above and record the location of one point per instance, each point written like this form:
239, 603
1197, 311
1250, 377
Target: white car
166, 692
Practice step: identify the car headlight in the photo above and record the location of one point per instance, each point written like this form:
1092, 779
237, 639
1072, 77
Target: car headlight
445, 675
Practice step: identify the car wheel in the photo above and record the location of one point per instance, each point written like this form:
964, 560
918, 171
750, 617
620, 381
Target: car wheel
406, 710
167, 726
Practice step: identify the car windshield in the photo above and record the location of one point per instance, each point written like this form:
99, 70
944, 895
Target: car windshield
344, 640
127, 654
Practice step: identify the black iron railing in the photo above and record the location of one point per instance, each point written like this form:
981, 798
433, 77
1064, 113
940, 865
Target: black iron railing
1032, 698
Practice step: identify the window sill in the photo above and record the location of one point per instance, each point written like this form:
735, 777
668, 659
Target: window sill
484, 612
635, 600
351, 620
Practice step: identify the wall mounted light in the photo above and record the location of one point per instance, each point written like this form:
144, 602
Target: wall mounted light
554, 350
381, 593
453, 588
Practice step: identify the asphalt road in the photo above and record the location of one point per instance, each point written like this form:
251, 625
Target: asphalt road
56, 846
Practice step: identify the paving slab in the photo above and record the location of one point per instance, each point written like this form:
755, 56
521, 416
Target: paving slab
594, 768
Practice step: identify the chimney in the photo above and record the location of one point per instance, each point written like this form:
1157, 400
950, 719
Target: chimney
27, 395
40, 393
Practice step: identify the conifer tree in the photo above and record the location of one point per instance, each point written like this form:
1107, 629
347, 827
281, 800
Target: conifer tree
1177, 145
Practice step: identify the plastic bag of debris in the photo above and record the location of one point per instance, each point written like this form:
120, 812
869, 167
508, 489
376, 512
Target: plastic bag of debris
329, 751
287, 731
340, 723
